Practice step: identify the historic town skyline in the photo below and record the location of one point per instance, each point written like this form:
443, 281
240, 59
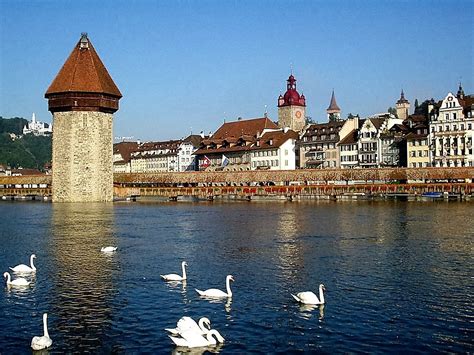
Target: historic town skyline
188, 66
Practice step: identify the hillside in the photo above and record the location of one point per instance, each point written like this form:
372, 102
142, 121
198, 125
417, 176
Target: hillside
29, 151
12, 125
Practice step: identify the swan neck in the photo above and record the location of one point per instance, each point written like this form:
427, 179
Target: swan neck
31, 263
45, 326
8, 277
229, 292
202, 326
210, 336
321, 294
184, 271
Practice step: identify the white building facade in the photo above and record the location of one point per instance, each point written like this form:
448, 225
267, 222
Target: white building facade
451, 131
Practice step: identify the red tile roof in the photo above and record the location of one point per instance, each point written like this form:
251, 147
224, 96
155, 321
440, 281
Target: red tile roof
83, 72
243, 128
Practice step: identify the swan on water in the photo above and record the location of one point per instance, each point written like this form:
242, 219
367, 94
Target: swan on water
20, 281
309, 297
108, 249
176, 277
215, 293
187, 324
40, 343
22, 268
194, 340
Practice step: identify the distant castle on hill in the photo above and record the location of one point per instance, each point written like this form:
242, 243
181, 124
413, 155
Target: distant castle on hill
37, 128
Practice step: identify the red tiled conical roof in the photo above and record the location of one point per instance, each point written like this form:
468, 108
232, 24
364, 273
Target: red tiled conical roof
83, 72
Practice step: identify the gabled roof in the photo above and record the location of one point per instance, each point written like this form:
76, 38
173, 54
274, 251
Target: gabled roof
327, 128
243, 128
276, 138
350, 138
194, 139
125, 149
377, 122
83, 72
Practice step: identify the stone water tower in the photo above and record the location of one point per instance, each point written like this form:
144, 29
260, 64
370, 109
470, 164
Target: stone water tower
82, 99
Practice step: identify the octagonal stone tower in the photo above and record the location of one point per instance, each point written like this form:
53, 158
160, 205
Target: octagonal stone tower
82, 99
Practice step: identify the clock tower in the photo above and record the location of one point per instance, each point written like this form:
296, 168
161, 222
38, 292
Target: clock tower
403, 107
292, 107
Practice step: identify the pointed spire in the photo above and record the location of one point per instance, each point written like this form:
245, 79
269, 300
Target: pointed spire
402, 99
460, 93
333, 107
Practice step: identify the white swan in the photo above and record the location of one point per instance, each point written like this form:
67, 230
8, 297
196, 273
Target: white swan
176, 277
108, 249
20, 281
40, 343
194, 340
22, 268
215, 293
186, 324
309, 297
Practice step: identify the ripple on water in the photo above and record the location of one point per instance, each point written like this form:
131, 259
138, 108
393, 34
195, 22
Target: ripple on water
398, 276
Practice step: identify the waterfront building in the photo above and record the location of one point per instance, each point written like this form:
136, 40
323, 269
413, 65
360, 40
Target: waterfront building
292, 107
333, 111
392, 144
402, 107
348, 150
417, 153
82, 99
274, 149
229, 148
186, 160
368, 141
152, 157
451, 130
122, 156
347, 145
318, 145
37, 128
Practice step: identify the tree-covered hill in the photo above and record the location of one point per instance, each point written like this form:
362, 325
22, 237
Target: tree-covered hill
12, 125
28, 151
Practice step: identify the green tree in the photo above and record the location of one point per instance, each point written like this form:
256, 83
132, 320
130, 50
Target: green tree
12, 125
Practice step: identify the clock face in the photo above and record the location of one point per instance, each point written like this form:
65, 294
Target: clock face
298, 114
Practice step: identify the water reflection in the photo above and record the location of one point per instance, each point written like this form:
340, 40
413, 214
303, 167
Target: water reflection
306, 310
289, 251
176, 285
197, 351
84, 278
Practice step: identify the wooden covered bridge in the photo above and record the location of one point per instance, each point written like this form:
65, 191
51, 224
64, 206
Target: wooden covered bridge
291, 184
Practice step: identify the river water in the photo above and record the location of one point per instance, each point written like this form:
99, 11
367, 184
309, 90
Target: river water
399, 275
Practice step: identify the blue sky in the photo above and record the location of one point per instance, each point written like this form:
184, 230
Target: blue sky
186, 66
